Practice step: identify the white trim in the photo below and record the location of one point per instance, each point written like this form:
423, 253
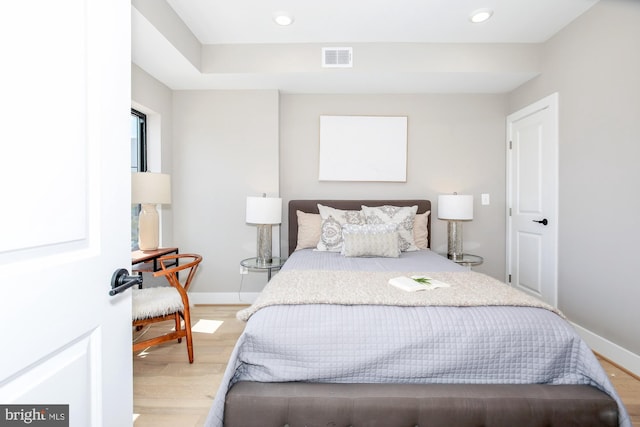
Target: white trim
619, 355
222, 297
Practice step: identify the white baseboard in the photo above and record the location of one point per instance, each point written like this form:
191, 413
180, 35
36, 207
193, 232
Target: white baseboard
220, 298
618, 355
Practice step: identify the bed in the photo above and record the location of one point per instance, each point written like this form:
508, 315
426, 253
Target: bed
330, 343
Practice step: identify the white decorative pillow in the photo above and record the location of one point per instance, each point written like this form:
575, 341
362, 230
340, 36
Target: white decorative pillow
308, 230
402, 216
331, 226
420, 230
370, 240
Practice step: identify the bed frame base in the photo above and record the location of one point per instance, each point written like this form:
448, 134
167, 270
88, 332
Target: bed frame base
253, 404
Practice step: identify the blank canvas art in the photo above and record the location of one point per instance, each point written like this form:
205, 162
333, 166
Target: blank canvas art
363, 148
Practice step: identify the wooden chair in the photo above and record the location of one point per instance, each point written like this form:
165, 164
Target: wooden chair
157, 304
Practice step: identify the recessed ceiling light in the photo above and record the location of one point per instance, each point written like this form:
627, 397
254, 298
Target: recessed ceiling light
480, 15
282, 18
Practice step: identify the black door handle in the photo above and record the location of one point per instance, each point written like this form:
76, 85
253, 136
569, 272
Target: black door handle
543, 221
120, 281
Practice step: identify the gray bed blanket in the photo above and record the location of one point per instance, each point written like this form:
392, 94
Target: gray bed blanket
423, 260
437, 344
376, 344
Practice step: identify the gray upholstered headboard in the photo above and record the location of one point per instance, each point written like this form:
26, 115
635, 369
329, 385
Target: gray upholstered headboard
311, 206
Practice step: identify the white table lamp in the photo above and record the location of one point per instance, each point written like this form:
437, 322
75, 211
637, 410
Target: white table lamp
455, 208
264, 212
149, 189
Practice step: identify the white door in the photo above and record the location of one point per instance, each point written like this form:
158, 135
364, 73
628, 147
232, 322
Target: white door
65, 197
532, 199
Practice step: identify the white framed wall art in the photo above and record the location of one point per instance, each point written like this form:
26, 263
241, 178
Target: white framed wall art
363, 148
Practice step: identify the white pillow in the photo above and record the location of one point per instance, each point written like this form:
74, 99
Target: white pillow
308, 230
402, 216
370, 240
420, 230
331, 226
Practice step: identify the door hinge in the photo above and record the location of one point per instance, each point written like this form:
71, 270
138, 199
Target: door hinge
509, 211
509, 278
510, 145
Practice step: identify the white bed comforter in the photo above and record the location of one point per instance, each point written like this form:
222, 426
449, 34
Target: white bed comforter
466, 289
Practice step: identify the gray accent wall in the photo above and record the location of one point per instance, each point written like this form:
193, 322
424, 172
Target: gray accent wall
455, 143
594, 65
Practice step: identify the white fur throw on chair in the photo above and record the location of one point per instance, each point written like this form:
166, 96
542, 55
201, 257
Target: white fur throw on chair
153, 302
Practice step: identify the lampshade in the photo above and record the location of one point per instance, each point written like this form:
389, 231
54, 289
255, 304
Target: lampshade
455, 207
264, 210
148, 187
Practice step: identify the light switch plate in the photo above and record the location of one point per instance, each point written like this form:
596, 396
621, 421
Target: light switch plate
485, 199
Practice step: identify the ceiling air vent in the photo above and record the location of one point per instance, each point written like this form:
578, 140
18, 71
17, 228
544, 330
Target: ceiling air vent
337, 57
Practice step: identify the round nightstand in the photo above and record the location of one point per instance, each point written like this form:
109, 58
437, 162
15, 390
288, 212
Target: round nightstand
469, 260
252, 263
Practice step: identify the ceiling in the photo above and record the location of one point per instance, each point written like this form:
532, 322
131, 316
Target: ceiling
401, 46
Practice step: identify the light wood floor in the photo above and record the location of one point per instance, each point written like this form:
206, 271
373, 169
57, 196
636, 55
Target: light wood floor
170, 392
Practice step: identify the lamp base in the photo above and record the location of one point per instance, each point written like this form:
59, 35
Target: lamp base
264, 244
454, 243
148, 227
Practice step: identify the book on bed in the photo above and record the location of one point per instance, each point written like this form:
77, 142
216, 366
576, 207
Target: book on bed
417, 283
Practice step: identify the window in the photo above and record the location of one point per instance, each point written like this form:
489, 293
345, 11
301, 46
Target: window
138, 163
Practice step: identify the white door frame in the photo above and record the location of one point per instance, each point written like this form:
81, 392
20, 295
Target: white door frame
549, 105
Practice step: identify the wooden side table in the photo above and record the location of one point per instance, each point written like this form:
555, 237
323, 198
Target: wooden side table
147, 261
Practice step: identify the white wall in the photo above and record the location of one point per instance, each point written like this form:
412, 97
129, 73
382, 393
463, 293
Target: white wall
154, 99
594, 65
227, 145
455, 143
219, 147
225, 148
